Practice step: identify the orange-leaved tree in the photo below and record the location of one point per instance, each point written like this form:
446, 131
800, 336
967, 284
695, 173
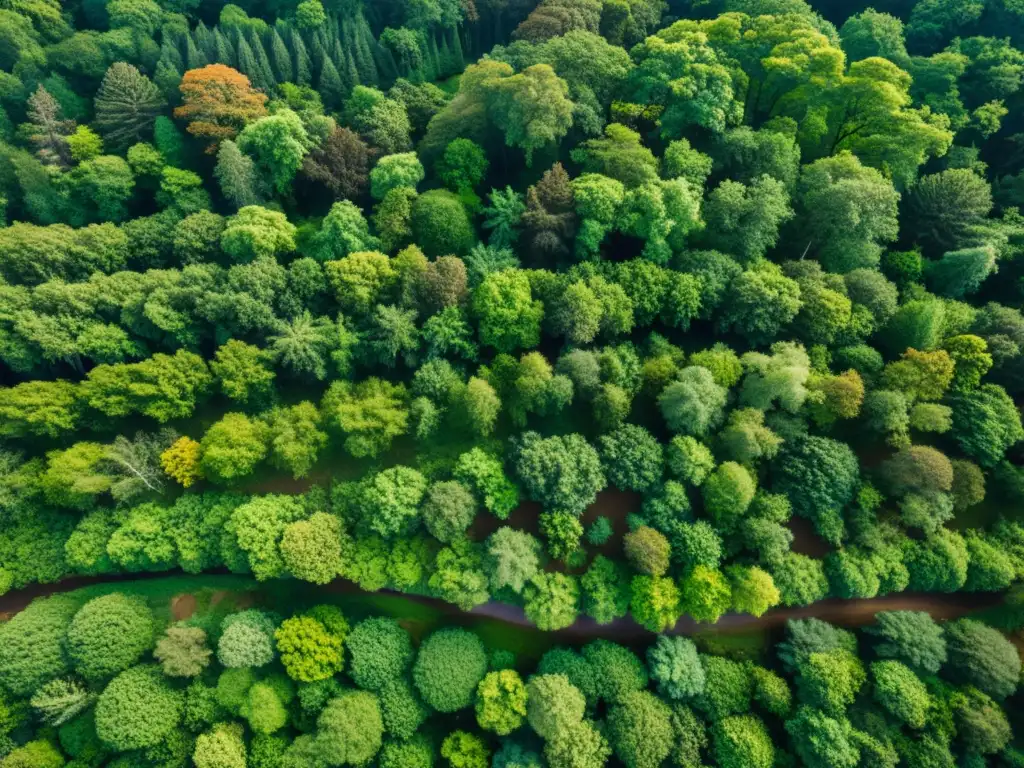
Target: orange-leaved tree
218, 101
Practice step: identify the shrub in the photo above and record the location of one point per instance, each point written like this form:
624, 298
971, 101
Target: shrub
182, 652
501, 702
32, 645
109, 634
350, 729
247, 640
379, 652
449, 666
137, 709
309, 652
553, 704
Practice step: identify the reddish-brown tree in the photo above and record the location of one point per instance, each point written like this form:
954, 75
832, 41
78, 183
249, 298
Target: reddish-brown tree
218, 101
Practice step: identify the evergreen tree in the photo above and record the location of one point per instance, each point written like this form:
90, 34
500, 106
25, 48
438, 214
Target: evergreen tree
280, 60
203, 39
127, 103
331, 89
266, 79
224, 51
170, 54
247, 63
195, 57
303, 67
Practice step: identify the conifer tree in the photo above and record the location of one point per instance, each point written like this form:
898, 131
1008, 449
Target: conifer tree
224, 51
301, 63
266, 79
127, 103
203, 38
247, 64
280, 60
331, 89
195, 57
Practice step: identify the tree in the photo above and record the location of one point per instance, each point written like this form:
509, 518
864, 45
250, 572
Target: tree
632, 458
980, 656
256, 232
531, 107
640, 730
182, 651
440, 224
137, 709
463, 166
830, 680
819, 476
464, 750
899, 692
246, 640
647, 551
821, 741
341, 163
232, 448
222, 747
563, 472
742, 741
244, 373
705, 594
485, 475
677, 68
60, 701
513, 558
580, 745
218, 102
350, 729
312, 549
693, 403
48, 130
343, 231
550, 600
236, 174
727, 494
985, 423
846, 210
448, 510
753, 589
257, 526
759, 303
380, 652
553, 704
911, 637
961, 273
108, 635
946, 210
369, 414
449, 666
675, 667
394, 171
745, 220
309, 650
501, 702
127, 104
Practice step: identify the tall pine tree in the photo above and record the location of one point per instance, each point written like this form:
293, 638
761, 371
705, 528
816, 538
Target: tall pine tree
280, 59
195, 57
247, 63
331, 89
224, 51
301, 63
266, 71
